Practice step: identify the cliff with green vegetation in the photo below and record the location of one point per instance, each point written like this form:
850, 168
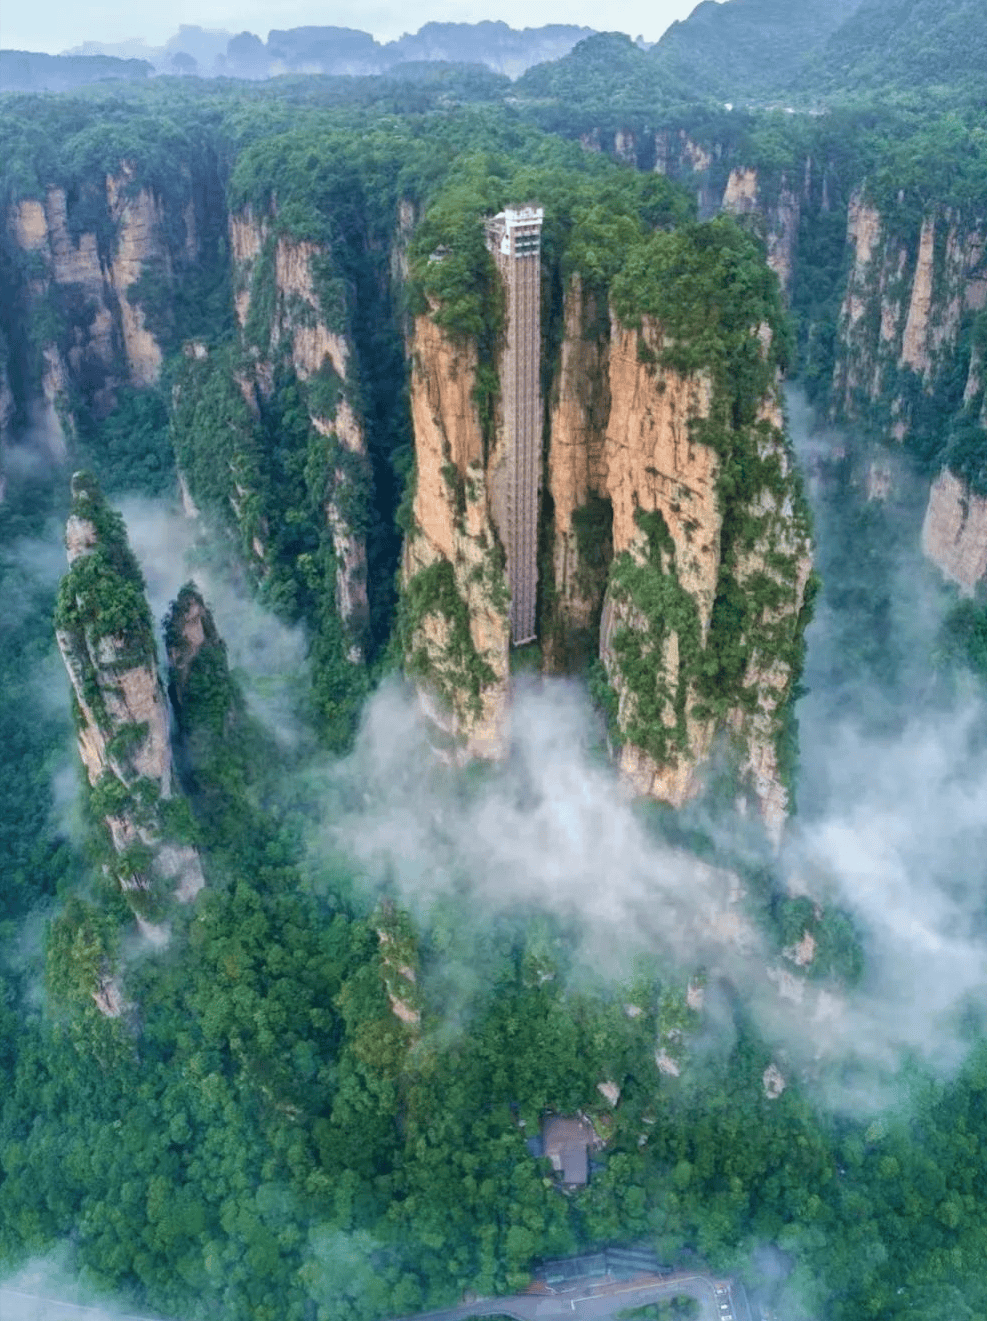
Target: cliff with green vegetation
106, 636
107, 255
223, 755
676, 537
454, 609
909, 357
291, 308
874, 224
311, 1100
679, 521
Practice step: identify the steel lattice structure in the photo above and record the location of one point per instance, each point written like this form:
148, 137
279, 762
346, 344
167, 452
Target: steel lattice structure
514, 239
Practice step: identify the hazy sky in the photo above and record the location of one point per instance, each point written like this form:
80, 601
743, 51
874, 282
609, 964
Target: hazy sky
63, 23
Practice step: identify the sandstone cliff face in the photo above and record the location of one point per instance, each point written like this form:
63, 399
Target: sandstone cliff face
904, 304
141, 221
677, 152
911, 290
638, 495
122, 719
301, 328
633, 445
455, 596
954, 533
103, 340
577, 473
779, 220
298, 320
653, 467
653, 463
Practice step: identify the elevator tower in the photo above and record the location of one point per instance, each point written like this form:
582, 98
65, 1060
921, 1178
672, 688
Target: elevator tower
514, 240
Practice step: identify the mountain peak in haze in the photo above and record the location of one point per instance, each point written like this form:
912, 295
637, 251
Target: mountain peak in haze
342, 50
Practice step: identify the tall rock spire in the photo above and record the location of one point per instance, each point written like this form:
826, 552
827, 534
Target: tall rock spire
105, 633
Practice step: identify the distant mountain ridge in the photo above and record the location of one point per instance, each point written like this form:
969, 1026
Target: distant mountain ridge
761, 51
341, 50
34, 71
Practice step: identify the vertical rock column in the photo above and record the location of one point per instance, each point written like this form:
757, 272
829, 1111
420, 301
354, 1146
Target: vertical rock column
455, 619
106, 637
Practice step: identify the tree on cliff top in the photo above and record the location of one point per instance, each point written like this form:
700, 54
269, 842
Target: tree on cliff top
104, 591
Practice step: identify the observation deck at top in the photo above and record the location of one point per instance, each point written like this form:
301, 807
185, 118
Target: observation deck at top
514, 240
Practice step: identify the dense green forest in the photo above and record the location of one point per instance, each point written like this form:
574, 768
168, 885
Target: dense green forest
849, 50
259, 1135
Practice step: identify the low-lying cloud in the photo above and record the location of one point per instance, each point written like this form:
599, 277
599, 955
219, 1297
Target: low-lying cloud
553, 831
892, 830
268, 656
551, 828
50, 1288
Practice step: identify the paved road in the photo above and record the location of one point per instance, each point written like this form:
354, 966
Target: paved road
584, 1300
588, 1300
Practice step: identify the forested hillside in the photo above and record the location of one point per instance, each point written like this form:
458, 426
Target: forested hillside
297, 1075
721, 48
906, 45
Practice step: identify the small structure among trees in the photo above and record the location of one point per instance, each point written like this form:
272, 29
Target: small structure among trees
566, 1142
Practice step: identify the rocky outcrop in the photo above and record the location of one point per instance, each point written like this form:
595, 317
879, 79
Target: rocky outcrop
105, 635
304, 325
782, 236
740, 196
583, 525
141, 223
658, 508
278, 265
677, 153
625, 146
915, 340
92, 266
954, 533
779, 220
673, 563
908, 290
632, 481
93, 277
654, 464
455, 624
409, 214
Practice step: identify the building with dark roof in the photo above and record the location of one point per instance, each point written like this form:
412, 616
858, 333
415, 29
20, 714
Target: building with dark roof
566, 1142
